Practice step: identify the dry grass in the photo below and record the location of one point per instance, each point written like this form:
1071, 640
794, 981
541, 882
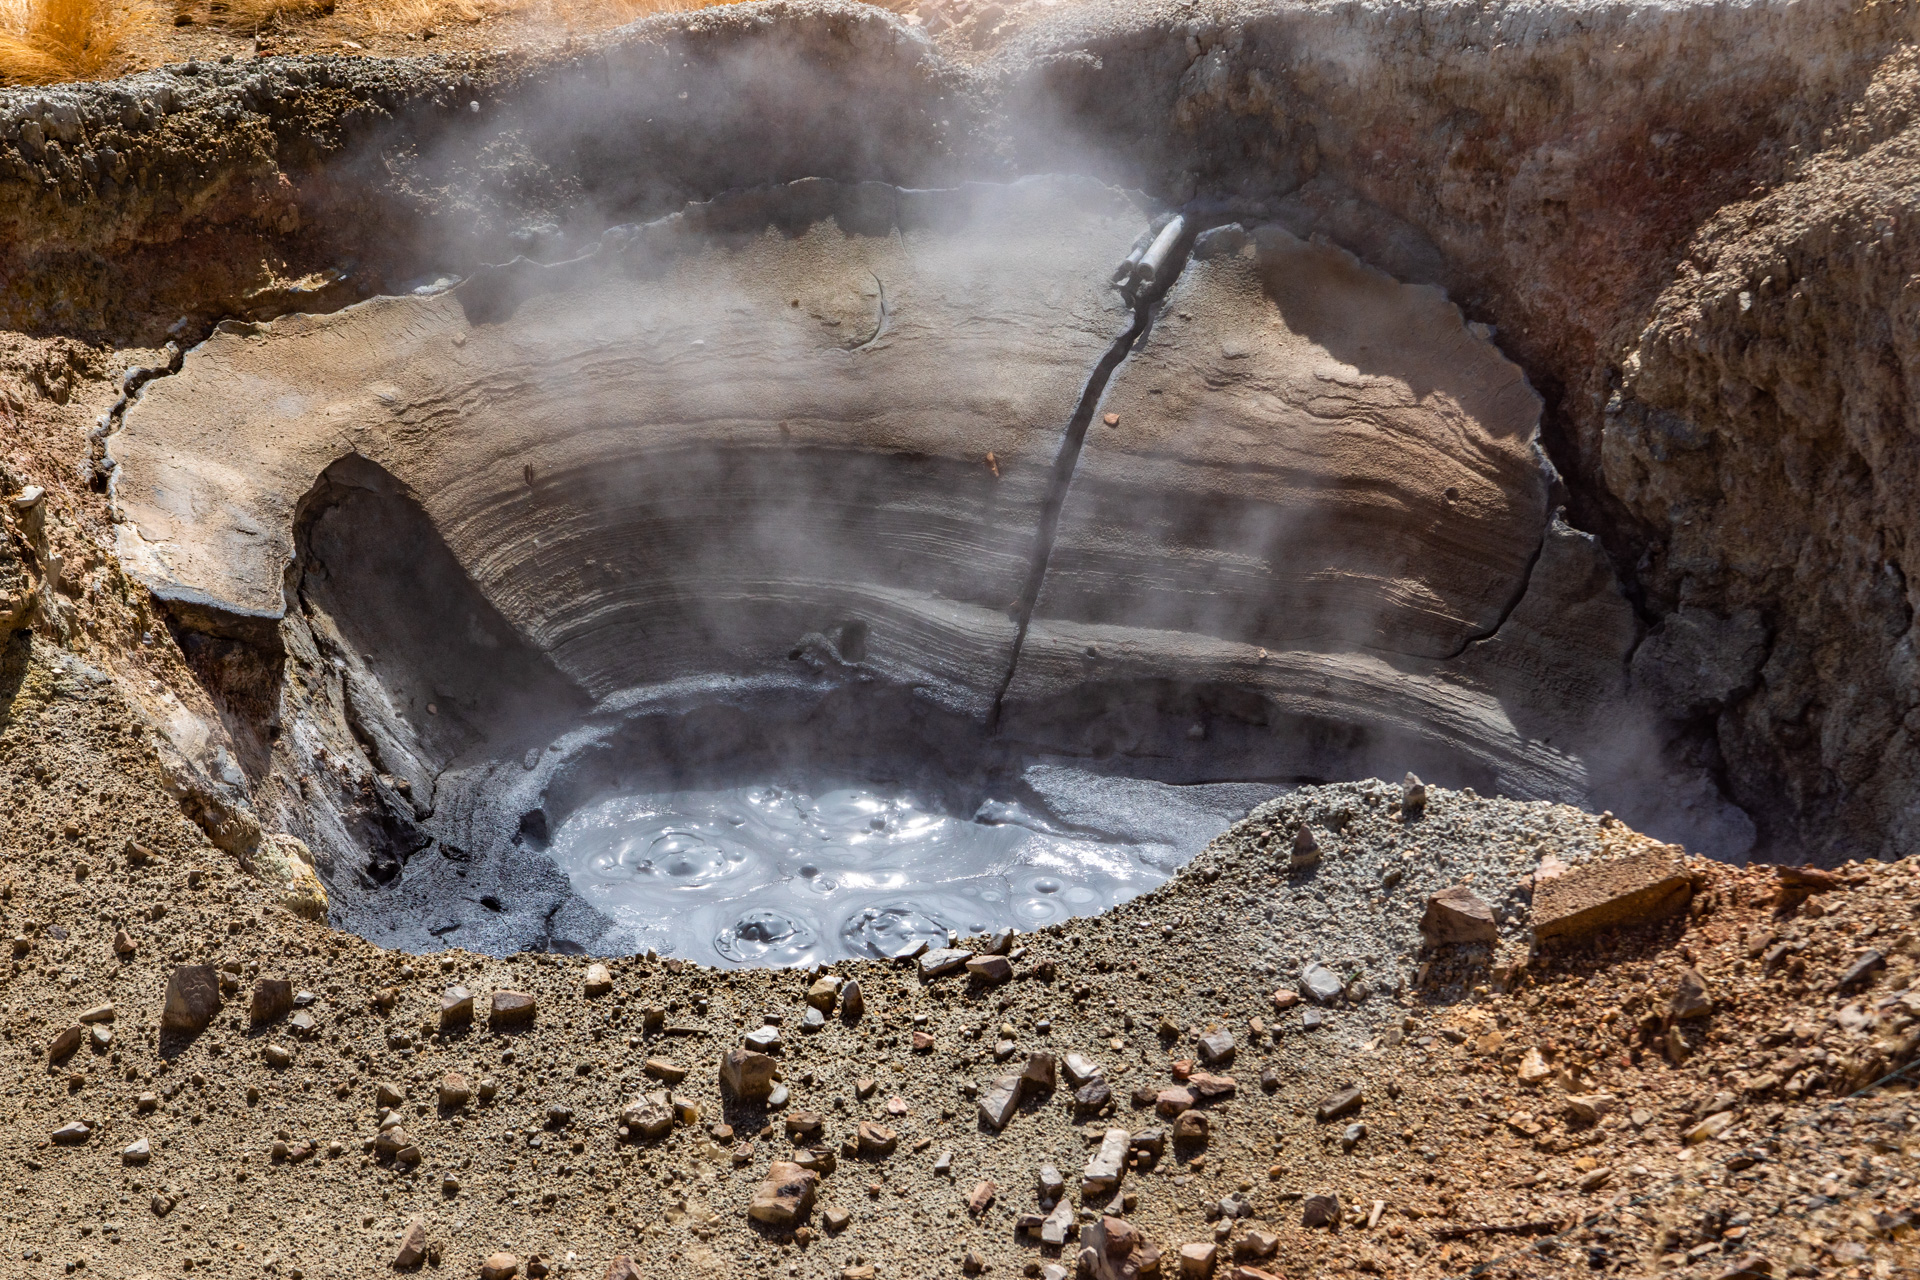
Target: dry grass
48, 41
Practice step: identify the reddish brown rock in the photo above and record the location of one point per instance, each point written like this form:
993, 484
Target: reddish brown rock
1457, 915
512, 1009
271, 998
785, 1197
193, 997
1620, 893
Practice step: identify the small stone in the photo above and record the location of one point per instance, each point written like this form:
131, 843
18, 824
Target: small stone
1691, 999
456, 1008
1196, 1260
392, 1141
875, 1140
386, 1095
193, 997
864, 1086
943, 960
1173, 1101
278, 1055
785, 1197
162, 1205
991, 970
499, 1266
65, 1043
71, 1134
1320, 1210
511, 1009
998, 1101
762, 1039
139, 1151
1038, 1075
123, 943
922, 1042
1052, 1184
1080, 1069
648, 1116
1058, 1225
1283, 999
746, 1074
1710, 1128
665, 1069
623, 1267
1306, 849
1457, 915
1256, 1244
1216, 1047
302, 1023
1092, 1096
99, 1013
1534, 1067
1205, 1084
1312, 1020
1352, 1136
1190, 1126
599, 980
1322, 984
777, 1096
272, 997
1413, 795
454, 1090
487, 1089
147, 1101
823, 993
1104, 1168
1858, 974
559, 1116
853, 1002
805, 1124
813, 1020
943, 1163
1339, 1104
413, 1246
836, 1219
1589, 1107
1618, 893
980, 1197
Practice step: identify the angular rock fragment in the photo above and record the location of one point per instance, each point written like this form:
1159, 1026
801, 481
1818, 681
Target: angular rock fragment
1106, 1166
511, 1009
1691, 999
1455, 916
139, 1151
1196, 1260
1323, 985
1858, 974
785, 1197
991, 970
853, 1002
980, 1197
1190, 1127
1057, 1225
1639, 888
599, 980
1173, 1101
1216, 1047
1320, 1210
1111, 1249
98, 1013
499, 1266
413, 1246
1092, 1096
1080, 1069
454, 1090
745, 1074
65, 1044
648, 1116
943, 960
1038, 1075
271, 998
875, 1140
1341, 1103
624, 1267
998, 1100
1306, 849
822, 994
456, 1008
193, 997
762, 1039
1205, 1084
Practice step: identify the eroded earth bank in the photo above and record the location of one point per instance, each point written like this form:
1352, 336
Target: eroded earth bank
1049, 437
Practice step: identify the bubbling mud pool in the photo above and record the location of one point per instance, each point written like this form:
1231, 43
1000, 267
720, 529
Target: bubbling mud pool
784, 874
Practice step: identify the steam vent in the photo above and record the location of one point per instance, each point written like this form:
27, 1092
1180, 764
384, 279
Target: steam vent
1053, 638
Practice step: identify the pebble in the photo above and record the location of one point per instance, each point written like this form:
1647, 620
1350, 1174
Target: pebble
991, 970
762, 1039
1104, 1168
1691, 999
1322, 1210
813, 1020
1081, 1069
1052, 1184
998, 1100
665, 1069
822, 994
511, 1009
778, 1095
71, 1134
1039, 1073
1217, 1047
853, 1002
980, 1197
123, 943
499, 1266
1190, 1126
271, 998
1351, 1136
836, 1219
1341, 1103
1306, 849
875, 1139
1092, 1096
64, 1044
747, 1074
278, 1055
942, 961
599, 980
1322, 984
1173, 1101
1456, 915
99, 1013
193, 997
136, 1152
413, 1246
785, 1196
1197, 1259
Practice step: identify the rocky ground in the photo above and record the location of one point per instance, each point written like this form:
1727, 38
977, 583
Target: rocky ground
1669, 1093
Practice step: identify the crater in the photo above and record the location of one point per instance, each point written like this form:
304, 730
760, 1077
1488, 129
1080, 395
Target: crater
825, 568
